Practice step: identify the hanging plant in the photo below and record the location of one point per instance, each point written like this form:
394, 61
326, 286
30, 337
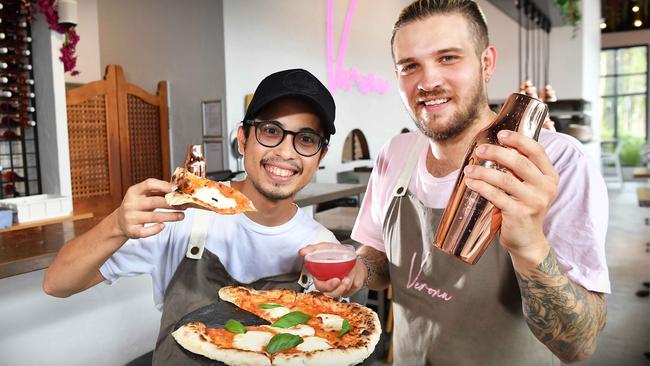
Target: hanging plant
68, 49
570, 10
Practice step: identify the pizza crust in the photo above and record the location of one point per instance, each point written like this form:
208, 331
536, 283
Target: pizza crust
194, 339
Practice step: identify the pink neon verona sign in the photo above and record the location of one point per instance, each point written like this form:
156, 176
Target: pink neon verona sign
337, 75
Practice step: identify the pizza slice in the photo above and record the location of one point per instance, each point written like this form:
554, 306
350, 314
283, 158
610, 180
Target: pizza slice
312, 330
194, 191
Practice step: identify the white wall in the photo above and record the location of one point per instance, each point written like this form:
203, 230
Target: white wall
503, 35
178, 41
590, 37
262, 37
51, 115
88, 63
635, 38
105, 325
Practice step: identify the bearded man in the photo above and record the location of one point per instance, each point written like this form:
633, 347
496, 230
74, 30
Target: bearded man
538, 291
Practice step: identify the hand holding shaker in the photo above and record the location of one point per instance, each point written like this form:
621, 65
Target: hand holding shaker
470, 222
194, 160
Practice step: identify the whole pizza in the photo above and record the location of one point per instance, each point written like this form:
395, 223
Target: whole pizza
306, 329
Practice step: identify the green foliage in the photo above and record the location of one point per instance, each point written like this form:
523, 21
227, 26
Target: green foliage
570, 10
631, 151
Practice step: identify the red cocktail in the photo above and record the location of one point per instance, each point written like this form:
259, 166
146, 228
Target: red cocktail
329, 263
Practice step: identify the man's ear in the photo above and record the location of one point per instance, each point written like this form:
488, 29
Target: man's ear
241, 140
322, 154
489, 62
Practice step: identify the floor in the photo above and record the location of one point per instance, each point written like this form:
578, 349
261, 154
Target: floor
627, 334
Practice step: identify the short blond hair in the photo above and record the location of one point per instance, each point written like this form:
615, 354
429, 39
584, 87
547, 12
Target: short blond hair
422, 9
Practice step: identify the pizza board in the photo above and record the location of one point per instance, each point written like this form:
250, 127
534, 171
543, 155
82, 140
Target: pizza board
216, 315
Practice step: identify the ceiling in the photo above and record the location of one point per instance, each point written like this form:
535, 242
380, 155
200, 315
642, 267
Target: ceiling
617, 14
547, 7
619, 17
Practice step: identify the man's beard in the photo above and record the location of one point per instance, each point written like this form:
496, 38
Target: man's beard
272, 196
276, 195
461, 120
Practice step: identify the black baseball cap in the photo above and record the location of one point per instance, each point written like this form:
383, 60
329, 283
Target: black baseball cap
297, 83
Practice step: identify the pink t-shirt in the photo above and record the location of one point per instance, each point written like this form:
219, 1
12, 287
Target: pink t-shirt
575, 225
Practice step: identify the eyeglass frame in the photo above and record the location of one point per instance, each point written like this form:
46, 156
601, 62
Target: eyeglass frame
253, 123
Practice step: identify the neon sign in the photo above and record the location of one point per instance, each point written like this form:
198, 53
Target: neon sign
337, 75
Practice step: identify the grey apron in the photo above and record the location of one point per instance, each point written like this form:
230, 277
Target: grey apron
195, 284
447, 312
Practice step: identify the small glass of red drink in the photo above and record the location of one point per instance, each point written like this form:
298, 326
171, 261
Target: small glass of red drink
328, 263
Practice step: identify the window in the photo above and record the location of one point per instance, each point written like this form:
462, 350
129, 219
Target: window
624, 98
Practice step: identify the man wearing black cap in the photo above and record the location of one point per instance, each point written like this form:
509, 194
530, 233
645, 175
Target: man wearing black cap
283, 138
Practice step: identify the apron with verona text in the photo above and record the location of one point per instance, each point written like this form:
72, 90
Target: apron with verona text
195, 284
447, 312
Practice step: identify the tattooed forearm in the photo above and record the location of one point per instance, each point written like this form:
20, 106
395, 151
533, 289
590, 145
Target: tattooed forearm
377, 264
562, 314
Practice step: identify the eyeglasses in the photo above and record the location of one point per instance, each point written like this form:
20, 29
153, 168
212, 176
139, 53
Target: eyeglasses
271, 134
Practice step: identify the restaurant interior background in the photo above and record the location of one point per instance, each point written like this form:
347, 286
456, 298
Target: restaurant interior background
213, 53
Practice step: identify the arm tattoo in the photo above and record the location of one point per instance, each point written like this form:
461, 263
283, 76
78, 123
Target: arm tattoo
377, 265
563, 315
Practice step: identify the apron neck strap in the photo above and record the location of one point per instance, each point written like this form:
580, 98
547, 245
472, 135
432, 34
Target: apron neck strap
199, 234
405, 177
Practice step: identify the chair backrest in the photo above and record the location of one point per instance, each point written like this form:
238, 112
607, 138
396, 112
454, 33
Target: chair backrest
645, 154
614, 149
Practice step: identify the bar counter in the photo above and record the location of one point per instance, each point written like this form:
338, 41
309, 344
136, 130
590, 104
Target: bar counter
34, 248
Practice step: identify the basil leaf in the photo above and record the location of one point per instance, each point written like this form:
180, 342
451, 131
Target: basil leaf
270, 306
291, 319
234, 326
344, 329
283, 341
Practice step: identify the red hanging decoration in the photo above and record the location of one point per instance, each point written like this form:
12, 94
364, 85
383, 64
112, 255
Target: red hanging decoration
68, 56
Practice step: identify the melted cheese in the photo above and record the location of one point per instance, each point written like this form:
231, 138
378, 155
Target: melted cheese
313, 344
213, 197
277, 312
252, 340
331, 322
299, 330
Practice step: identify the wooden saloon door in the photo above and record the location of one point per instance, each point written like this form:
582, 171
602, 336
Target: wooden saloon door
118, 136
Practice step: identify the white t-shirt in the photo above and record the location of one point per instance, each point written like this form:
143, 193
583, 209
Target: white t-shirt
249, 251
575, 226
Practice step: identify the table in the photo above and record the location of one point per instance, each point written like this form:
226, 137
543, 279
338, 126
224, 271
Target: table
641, 172
643, 194
315, 193
338, 218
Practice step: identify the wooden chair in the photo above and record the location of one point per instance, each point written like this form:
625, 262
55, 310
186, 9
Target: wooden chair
610, 157
118, 136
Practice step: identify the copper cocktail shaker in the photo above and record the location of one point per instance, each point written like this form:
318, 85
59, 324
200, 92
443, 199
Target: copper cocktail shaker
194, 160
470, 222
